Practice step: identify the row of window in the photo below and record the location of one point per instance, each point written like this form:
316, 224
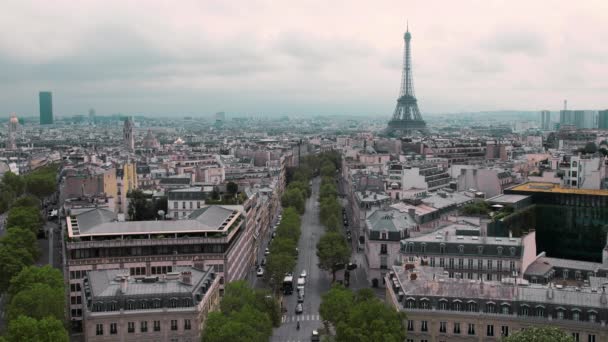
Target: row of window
504, 308
132, 304
410, 247
143, 327
457, 328
176, 205
470, 264
147, 250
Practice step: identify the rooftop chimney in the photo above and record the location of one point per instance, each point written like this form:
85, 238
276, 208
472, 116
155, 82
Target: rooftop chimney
187, 277
124, 281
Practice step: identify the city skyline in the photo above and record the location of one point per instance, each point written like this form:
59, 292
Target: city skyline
265, 58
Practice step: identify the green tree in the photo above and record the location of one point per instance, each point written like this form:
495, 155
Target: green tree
232, 188
41, 185
284, 245
27, 201
25, 328
7, 196
141, 207
17, 238
25, 217
293, 198
372, 320
12, 261
277, 266
336, 304
238, 294
36, 275
220, 328
332, 251
539, 334
13, 182
38, 301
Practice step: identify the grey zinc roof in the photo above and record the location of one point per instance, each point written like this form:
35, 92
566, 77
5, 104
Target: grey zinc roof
391, 220
510, 199
100, 222
91, 217
545, 263
430, 282
104, 284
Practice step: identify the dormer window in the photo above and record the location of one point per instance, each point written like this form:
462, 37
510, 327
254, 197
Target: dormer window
442, 248
499, 250
423, 248
480, 249
512, 249
461, 249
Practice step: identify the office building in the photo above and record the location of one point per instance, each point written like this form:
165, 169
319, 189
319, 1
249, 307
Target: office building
603, 119
46, 107
214, 236
581, 119
545, 120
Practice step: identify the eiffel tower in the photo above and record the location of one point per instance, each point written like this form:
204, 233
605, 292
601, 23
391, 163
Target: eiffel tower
406, 118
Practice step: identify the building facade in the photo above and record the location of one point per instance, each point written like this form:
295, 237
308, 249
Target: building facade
442, 309
168, 307
213, 236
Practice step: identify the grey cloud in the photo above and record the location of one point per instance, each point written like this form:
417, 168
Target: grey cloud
317, 51
525, 42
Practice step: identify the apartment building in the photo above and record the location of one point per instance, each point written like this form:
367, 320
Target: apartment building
442, 309
213, 236
416, 175
463, 252
168, 307
183, 202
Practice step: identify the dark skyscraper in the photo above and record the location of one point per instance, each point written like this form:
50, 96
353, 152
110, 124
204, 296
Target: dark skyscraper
46, 107
603, 119
406, 118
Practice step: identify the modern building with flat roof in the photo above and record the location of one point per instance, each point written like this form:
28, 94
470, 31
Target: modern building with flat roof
46, 107
213, 236
168, 307
576, 216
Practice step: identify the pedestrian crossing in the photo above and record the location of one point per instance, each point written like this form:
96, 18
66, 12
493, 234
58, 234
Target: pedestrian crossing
300, 318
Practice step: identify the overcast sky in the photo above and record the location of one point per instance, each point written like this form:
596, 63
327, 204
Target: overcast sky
300, 57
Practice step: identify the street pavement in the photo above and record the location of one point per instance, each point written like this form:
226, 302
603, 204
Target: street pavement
317, 281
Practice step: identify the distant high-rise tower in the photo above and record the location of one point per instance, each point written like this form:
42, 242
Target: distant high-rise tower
406, 118
603, 119
545, 120
127, 133
13, 123
46, 107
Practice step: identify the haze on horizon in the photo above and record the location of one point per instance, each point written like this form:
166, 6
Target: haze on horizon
300, 57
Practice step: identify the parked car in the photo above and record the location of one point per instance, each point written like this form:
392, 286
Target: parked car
267, 251
315, 336
299, 308
351, 266
260, 272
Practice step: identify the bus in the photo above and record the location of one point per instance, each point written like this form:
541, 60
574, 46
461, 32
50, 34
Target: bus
288, 285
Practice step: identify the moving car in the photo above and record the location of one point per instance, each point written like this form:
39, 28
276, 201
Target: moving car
301, 282
263, 262
315, 336
303, 274
299, 308
300, 297
267, 251
260, 272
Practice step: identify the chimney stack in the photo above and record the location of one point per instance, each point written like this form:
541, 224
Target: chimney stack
187, 277
124, 281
